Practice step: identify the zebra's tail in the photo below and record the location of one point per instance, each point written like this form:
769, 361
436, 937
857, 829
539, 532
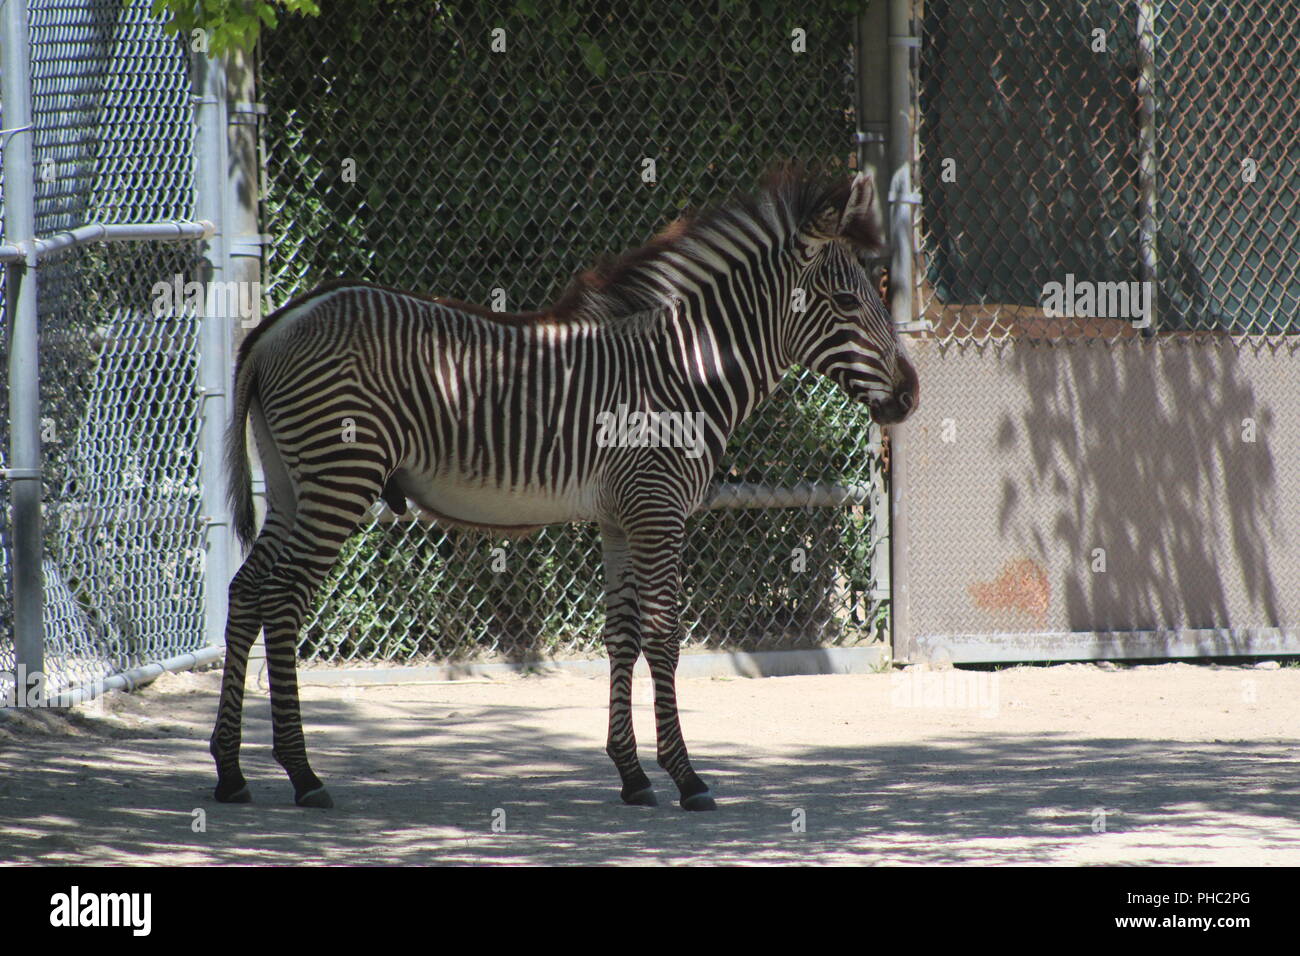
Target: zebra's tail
239, 476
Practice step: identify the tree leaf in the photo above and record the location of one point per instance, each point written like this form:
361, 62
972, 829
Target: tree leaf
593, 56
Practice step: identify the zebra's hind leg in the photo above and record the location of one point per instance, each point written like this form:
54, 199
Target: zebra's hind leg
328, 512
243, 622
623, 644
656, 562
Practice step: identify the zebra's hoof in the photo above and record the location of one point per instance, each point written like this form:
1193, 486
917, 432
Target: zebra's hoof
242, 795
642, 798
699, 801
319, 798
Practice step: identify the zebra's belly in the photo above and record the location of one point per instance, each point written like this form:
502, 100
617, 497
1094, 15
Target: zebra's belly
470, 502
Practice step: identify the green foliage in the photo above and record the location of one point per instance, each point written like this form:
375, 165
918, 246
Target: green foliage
238, 24
478, 169
228, 24
401, 592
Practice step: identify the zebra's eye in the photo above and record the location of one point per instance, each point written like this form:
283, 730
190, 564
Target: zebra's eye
846, 301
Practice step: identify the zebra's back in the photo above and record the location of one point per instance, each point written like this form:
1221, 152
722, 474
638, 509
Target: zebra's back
484, 422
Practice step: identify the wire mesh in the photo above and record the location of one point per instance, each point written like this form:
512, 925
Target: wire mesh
8, 662
468, 150
1084, 145
1103, 143
114, 129
119, 409
1229, 255
120, 421
1095, 469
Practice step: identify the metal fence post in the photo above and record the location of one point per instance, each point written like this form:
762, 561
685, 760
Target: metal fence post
871, 106
244, 191
212, 202
1148, 185
901, 200
24, 466
872, 93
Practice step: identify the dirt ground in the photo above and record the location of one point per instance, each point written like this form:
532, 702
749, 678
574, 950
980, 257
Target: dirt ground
1072, 764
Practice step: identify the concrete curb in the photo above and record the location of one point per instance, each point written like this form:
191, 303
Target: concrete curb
827, 660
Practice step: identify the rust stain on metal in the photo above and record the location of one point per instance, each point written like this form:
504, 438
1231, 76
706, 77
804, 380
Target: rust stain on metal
1021, 586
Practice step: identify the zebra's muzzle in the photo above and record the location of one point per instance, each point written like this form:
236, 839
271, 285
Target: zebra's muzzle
903, 402
891, 412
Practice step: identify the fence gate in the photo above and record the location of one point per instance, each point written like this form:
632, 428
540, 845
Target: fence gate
111, 442
455, 150
1119, 481
492, 156
1093, 472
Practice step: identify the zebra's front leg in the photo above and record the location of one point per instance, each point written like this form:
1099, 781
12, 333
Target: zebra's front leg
623, 644
661, 650
656, 562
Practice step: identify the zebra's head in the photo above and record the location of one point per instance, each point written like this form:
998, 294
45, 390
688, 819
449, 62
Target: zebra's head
839, 327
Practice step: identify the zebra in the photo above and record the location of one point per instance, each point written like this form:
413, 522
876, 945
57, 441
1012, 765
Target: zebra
357, 392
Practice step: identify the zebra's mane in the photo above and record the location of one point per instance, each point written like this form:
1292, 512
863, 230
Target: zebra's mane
640, 281
636, 290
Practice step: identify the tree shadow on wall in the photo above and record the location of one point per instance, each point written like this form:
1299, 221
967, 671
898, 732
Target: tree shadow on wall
1158, 453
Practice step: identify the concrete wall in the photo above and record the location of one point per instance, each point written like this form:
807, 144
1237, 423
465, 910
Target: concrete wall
1174, 461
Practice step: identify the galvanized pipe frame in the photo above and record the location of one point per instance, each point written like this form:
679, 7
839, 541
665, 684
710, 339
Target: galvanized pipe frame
129, 680
213, 200
1148, 169
902, 199
24, 464
1161, 644
31, 251
871, 139
21, 260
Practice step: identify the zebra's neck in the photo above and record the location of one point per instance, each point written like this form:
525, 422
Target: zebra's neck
724, 341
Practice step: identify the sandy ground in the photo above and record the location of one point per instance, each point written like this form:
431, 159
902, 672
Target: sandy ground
1073, 764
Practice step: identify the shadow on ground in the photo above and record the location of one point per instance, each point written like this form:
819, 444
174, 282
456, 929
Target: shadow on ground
97, 794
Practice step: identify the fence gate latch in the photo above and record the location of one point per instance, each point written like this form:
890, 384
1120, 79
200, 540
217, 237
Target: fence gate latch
249, 245
243, 111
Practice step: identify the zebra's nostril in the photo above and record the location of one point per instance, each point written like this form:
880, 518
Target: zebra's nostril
906, 400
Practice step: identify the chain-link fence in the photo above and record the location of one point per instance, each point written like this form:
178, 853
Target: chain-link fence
1116, 142
464, 149
120, 416
1089, 456
112, 143
1108, 262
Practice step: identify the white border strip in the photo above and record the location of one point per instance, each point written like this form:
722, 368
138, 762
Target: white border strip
1107, 645
826, 660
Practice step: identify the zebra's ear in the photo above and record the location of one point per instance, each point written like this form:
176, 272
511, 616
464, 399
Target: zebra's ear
860, 223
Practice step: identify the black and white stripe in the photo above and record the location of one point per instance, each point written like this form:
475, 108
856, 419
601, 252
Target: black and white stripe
356, 391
